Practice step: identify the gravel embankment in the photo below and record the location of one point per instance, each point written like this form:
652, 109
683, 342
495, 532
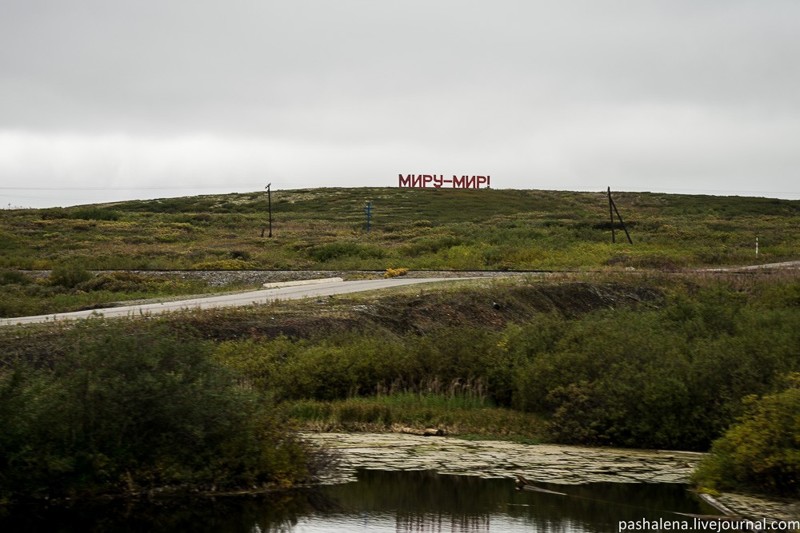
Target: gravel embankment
221, 278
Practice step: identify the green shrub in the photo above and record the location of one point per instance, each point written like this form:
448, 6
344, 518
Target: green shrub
69, 275
126, 412
115, 282
226, 264
395, 272
762, 450
95, 213
54, 213
257, 364
427, 245
14, 277
339, 250
242, 255
337, 366
672, 377
610, 378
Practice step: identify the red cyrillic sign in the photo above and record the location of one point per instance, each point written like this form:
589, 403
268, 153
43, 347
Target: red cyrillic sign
437, 181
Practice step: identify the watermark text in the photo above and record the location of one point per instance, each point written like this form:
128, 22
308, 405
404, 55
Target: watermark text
698, 524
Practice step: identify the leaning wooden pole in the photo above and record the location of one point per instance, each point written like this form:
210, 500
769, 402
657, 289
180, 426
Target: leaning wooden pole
611, 215
622, 222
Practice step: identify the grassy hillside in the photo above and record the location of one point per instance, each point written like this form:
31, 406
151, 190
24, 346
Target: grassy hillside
418, 229
612, 358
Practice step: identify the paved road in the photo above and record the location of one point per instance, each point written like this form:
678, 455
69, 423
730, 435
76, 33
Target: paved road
289, 292
786, 265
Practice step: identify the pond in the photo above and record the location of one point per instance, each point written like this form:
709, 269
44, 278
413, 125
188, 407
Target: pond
384, 501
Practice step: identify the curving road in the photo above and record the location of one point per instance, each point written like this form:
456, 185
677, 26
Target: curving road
293, 291
286, 291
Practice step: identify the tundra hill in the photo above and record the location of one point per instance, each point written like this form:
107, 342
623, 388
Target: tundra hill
418, 229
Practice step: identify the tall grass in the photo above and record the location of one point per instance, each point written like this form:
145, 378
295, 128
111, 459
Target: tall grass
447, 414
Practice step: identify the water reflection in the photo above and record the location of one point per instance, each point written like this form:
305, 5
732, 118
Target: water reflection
381, 501
423, 501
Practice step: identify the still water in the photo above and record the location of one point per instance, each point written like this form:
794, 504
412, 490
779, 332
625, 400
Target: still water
383, 501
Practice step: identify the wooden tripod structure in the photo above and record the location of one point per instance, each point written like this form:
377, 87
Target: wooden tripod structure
612, 208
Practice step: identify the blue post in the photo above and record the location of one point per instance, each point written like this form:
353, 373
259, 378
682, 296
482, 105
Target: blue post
368, 211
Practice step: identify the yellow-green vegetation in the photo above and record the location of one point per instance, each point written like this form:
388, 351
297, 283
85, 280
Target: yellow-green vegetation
395, 272
448, 413
321, 229
761, 451
418, 229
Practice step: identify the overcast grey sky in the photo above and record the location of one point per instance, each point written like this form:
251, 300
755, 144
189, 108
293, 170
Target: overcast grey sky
105, 100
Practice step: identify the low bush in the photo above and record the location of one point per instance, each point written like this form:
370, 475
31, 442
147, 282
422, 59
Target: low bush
338, 250
242, 255
762, 450
95, 213
126, 411
69, 275
14, 277
668, 378
427, 245
338, 366
395, 272
226, 264
115, 282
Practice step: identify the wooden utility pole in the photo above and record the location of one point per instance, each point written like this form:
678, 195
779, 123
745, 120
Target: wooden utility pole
269, 207
611, 213
612, 208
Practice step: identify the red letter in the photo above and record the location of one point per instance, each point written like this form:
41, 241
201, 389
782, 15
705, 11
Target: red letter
406, 181
458, 182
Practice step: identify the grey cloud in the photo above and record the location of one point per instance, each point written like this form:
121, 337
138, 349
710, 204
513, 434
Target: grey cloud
536, 88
